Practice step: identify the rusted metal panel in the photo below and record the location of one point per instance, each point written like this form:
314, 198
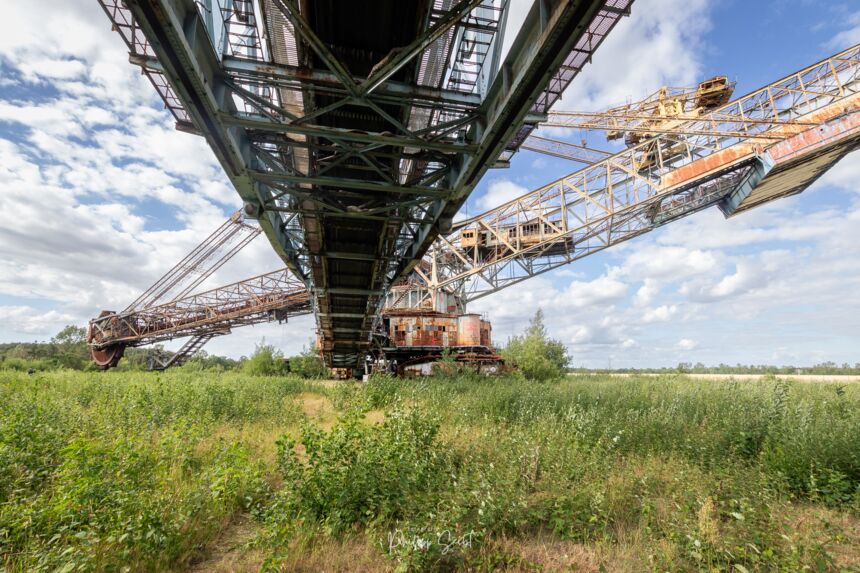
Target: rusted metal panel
837, 122
486, 333
470, 330
803, 158
718, 161
417, 328
423, 329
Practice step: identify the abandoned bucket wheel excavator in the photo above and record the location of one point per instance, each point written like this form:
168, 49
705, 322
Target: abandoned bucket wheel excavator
354, 132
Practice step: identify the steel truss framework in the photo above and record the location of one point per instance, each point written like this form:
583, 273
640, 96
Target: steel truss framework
355, 157
301, 173
199, 264
512, 250
272, 296
649, 184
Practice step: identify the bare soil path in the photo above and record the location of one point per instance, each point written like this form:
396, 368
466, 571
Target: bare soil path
229, 552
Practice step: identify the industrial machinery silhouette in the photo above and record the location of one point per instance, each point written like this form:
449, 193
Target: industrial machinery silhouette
354, 159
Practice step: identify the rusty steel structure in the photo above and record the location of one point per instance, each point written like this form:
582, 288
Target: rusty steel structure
355, 131
782, 138
198, 265
271, 296
354, 148
416, 339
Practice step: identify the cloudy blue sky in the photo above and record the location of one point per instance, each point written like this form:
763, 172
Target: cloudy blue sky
99, 195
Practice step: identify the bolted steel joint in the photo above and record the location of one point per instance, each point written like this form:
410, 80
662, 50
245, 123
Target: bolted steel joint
251, 210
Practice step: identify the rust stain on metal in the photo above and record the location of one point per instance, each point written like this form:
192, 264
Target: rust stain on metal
438, 329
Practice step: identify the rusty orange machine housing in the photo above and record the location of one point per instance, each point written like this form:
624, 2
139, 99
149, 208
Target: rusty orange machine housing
430, 328
421, 325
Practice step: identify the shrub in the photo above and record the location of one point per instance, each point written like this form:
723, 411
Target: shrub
360, 474
266, 361
536, 355
308, 364
101, 471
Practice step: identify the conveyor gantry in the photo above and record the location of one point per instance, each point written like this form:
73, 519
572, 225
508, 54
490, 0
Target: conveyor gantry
771, 143
354, 131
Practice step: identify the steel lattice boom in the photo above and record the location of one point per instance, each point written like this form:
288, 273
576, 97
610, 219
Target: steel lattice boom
199, 264
802, 125
271, 296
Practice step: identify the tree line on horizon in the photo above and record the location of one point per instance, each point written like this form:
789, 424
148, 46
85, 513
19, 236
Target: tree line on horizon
68, 349
534, 353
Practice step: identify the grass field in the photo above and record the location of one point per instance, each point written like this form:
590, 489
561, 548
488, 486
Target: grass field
224, 472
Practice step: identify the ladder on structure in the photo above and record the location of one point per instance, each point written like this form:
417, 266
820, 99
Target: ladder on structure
186, 351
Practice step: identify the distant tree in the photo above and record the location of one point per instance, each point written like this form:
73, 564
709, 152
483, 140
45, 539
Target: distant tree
19, 351
202, 360
266, 361
537, 356
71, 346
308, 364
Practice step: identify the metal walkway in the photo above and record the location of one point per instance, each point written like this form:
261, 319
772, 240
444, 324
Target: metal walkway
771, 143
354, 131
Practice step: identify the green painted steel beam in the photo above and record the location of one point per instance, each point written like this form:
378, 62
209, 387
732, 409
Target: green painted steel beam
550, 31
761, 167
270, 72
181, 43
345, 183
262, 123
390, 89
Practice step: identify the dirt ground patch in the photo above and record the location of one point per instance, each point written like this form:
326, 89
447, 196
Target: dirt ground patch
316, 555
375, 417
229, 553
838, 530
318, 408
544, 553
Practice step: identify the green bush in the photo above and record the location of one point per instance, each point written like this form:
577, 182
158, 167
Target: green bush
26, 364
360, 474
102, 470
266, 361
308, 364
534, 354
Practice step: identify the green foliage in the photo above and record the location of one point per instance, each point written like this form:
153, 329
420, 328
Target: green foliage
535, 354
25, 364
308, 364
71, 347
202, 360
446, 365
102, 470
359, 473
266, 361
382, 390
